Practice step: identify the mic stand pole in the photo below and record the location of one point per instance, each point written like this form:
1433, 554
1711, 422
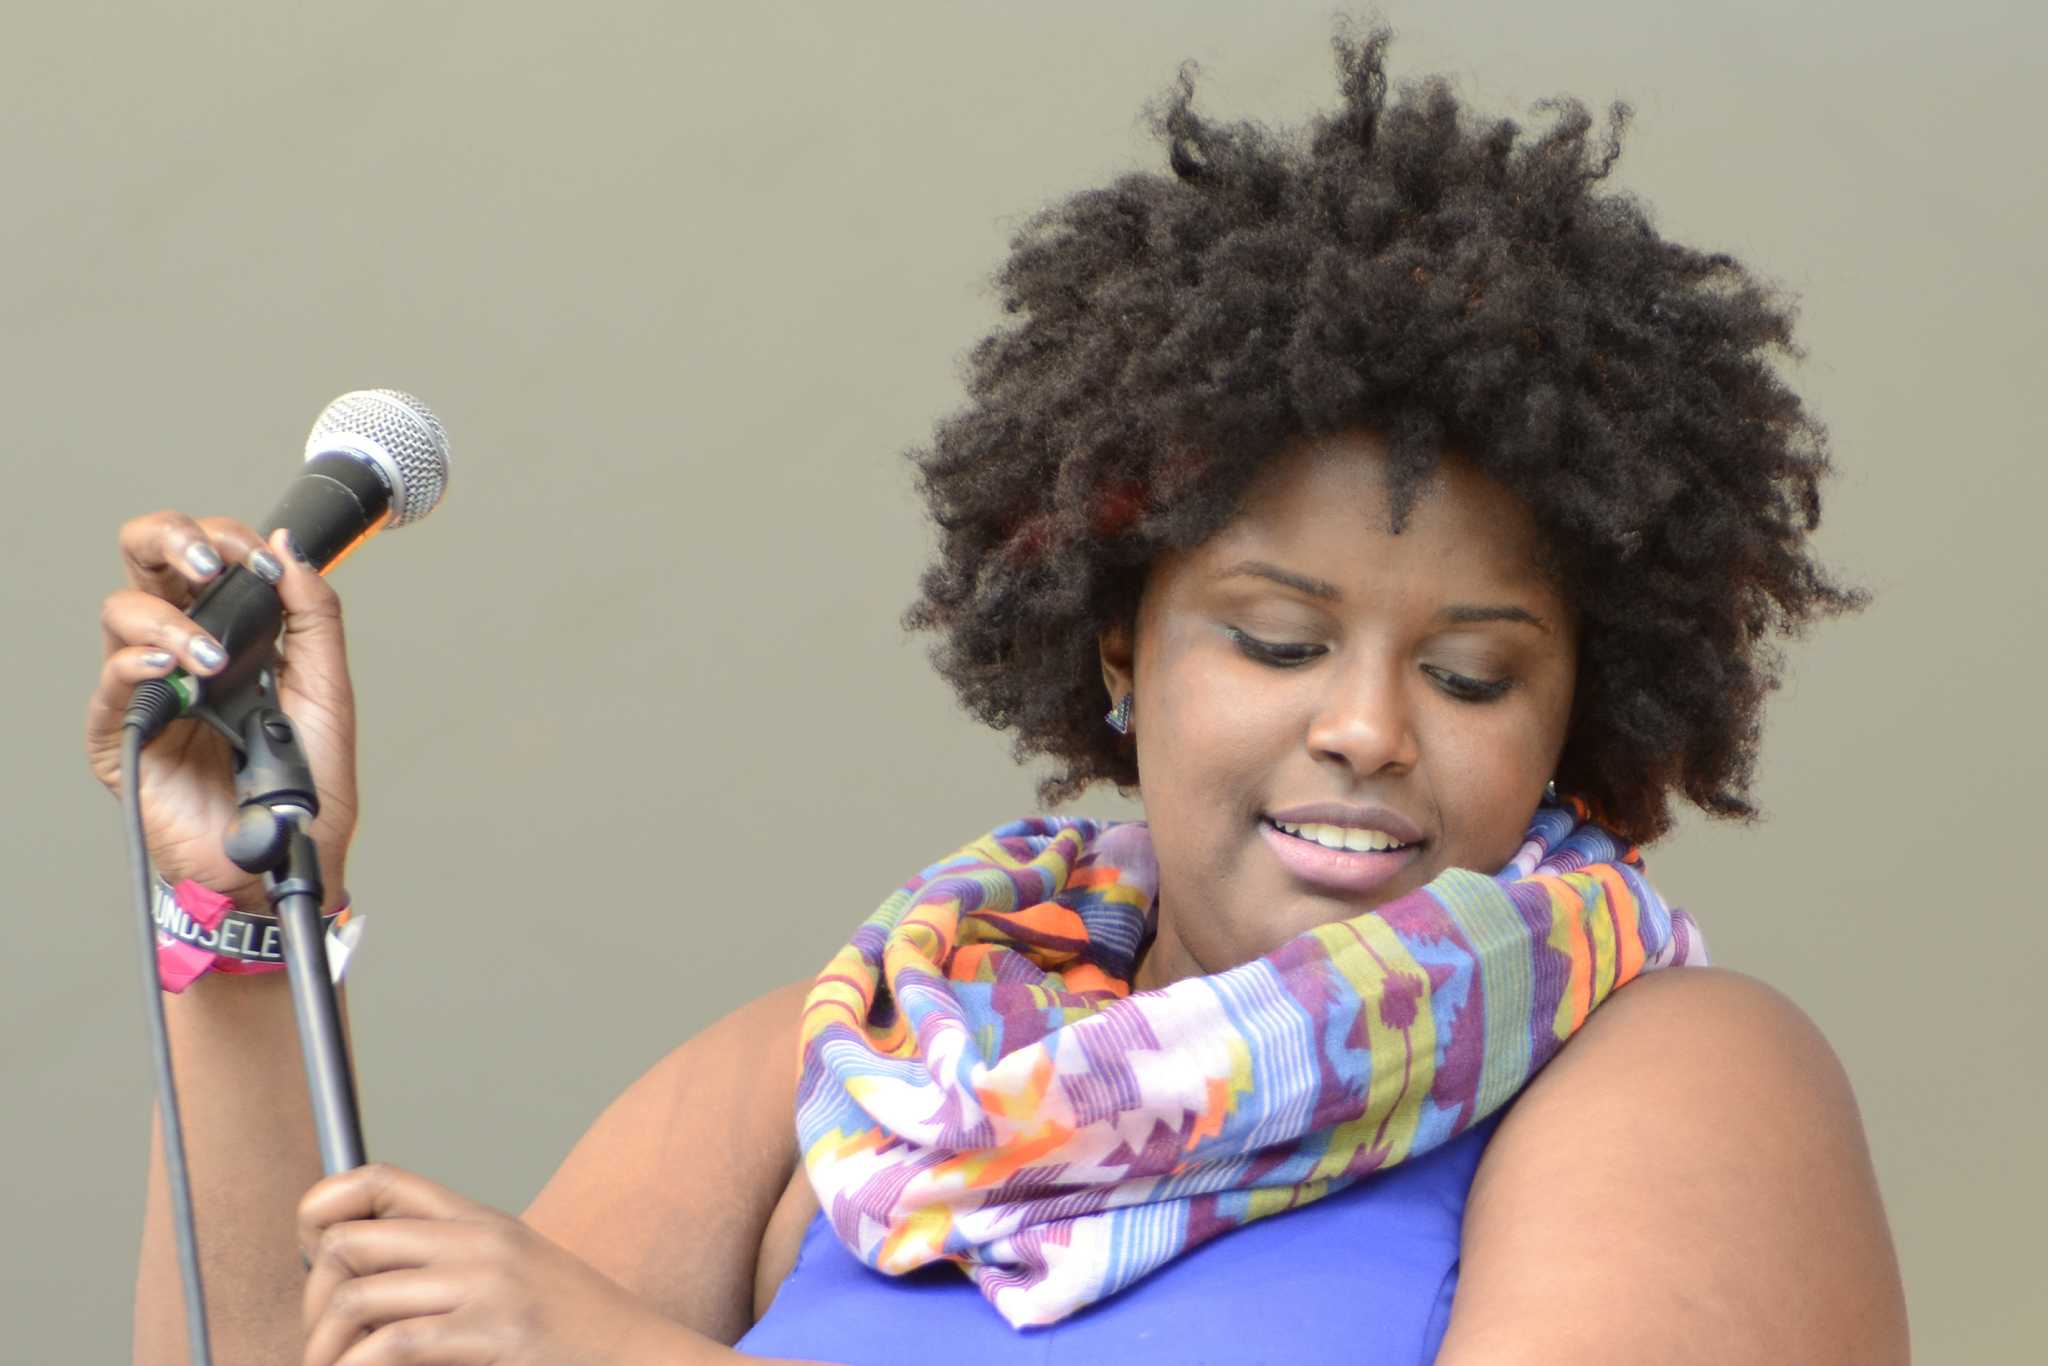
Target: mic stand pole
274, 788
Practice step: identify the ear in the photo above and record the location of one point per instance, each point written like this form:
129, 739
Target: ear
1117, 646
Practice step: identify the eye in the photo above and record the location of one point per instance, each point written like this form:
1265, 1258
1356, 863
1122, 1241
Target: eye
1279, 654
1469, 689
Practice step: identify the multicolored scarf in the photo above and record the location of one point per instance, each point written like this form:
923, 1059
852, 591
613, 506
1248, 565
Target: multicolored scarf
981, 1086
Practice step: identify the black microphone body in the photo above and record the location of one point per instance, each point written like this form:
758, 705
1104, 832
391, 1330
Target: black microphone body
334, 505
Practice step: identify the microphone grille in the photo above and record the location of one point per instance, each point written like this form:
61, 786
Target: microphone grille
401, 430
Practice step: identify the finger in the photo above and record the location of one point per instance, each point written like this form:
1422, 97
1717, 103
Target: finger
168, 554
360, 1307
439, 1340
175, 556
239, 543
378, 1191
107, 709
136, 617
134, 664
315, 650
131, 616
371, 1247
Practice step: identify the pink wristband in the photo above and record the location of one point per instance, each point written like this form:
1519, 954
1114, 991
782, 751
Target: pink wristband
181, 961
198, 930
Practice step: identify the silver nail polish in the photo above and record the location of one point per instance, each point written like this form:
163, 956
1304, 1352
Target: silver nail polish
159, 659
209, 655
266, 566
203, 558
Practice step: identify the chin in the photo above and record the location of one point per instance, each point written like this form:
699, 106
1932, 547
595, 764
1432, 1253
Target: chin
1319, 912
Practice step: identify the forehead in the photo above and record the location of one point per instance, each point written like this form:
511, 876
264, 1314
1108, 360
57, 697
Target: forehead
1323, 509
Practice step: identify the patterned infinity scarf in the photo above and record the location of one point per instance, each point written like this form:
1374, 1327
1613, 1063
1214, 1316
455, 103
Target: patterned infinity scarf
979, 1085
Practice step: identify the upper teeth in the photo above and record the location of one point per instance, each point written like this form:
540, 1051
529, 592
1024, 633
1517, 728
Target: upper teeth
1342, 836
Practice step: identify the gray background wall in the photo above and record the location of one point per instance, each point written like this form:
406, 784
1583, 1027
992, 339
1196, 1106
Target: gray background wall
684, 281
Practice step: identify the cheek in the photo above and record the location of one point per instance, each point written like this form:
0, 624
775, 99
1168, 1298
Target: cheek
1203, 724
1204, 734
1490, 777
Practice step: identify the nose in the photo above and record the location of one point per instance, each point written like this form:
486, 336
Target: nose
1363, 720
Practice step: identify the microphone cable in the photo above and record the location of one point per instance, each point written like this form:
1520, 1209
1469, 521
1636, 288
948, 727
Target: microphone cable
154, 703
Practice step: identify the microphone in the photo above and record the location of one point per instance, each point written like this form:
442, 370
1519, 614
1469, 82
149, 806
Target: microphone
376, 459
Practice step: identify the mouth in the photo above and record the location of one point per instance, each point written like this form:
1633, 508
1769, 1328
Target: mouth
1346, 859
1353, 839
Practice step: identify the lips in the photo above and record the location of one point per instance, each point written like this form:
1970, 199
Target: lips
1350, 817
1348, 871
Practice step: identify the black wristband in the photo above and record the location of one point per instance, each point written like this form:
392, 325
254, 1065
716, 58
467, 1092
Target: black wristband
244, 936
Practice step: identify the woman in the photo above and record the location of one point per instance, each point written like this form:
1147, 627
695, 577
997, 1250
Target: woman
1351, 497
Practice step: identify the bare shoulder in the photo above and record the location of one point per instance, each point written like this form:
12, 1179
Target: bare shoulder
671, 1189
1688, 1180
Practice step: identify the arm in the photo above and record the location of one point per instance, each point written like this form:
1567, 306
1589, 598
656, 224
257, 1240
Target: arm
642, 1249
249, 1144
671, 1189
1687, 1181
668, 1194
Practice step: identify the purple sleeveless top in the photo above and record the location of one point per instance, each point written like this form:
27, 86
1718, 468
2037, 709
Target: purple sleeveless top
1364, 1276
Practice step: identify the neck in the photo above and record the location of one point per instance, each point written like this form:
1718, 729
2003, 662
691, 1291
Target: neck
1166, 961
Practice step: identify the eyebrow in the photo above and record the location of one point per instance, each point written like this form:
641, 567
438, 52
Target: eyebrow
1300, 583
1457, 614
1465, 613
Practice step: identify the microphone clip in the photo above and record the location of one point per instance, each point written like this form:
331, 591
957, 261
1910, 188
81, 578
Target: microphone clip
277, 797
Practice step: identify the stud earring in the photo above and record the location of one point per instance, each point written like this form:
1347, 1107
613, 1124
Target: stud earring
1119, 717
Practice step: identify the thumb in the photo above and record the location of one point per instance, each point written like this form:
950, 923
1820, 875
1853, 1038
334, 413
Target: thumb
316, 656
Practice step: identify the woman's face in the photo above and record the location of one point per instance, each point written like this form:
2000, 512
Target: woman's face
1306, 678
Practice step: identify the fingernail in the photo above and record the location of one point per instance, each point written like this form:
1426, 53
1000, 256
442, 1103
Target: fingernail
266, 566
203, 558
209, 655
291, 543
159, 659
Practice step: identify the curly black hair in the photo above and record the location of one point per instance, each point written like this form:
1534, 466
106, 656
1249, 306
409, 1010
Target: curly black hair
1452, 284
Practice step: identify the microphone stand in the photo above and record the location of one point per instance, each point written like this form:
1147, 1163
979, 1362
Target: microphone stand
278, 800
274, 788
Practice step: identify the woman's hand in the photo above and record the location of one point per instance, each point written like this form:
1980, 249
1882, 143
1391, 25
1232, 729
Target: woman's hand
187, 779
403, 1270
